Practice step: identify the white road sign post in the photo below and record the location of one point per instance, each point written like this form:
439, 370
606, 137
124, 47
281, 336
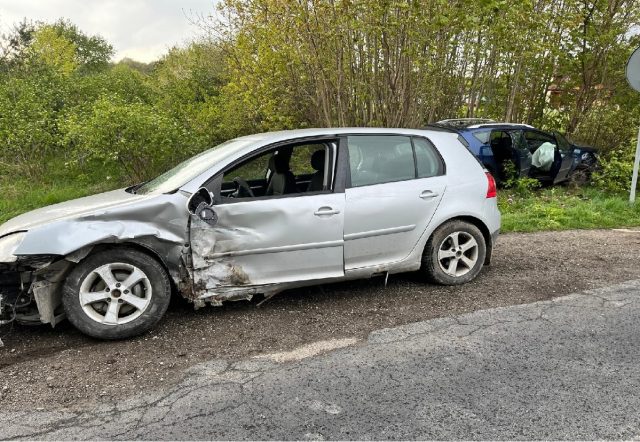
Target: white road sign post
633, 77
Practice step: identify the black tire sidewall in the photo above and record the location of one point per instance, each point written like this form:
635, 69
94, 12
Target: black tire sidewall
160, 286
430, 264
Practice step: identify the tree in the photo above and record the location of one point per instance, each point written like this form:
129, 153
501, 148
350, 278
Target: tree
54, 51
410, 62
90, 53
188, 82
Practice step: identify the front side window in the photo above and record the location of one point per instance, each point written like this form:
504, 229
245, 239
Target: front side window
255, 169
536, 139
563, 144
285, 170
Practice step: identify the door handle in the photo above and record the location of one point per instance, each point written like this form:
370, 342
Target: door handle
428, 194
326, 211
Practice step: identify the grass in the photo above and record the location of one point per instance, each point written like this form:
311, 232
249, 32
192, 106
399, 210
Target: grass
19, 194
562, 208
557, 208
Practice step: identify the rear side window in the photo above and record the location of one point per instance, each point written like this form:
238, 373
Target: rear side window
428, 161
388, 158
483, 136
380, 159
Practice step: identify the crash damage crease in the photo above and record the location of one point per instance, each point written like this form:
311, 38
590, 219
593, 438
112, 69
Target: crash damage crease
224, 261
67, 241
223, 254
216, 279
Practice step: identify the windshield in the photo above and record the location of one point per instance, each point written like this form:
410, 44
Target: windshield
191, 168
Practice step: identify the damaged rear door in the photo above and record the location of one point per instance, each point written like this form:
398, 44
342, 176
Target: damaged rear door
263, 239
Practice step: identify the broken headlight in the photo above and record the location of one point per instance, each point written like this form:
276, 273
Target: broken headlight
8, 245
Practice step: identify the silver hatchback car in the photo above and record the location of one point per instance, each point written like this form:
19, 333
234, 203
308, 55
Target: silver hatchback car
254, 215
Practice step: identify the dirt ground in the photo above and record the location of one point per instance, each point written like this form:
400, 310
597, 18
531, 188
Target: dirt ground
45, 368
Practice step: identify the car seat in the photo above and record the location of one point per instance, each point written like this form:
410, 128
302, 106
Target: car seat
317, 179
282, 180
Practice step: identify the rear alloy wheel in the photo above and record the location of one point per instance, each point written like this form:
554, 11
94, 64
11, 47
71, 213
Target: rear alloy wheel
454, 254
116, 294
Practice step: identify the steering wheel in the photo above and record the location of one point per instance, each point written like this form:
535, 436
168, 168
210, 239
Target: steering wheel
243, 190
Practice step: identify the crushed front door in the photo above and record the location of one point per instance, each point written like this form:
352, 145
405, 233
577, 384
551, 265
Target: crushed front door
256, 243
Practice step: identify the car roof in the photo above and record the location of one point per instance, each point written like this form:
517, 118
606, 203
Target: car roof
269, 137
470, 128
463, 122
499, 125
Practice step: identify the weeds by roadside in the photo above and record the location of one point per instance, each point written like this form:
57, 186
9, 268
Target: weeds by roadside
20, 194
561, 208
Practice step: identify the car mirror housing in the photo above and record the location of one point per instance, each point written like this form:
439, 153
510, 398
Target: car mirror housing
201, 205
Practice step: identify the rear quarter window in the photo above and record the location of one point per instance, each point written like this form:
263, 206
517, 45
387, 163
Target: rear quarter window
428, 160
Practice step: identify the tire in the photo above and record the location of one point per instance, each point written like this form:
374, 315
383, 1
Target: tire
99, 301
441, 251
579, 177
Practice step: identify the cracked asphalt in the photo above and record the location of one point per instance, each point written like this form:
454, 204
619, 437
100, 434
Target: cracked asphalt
565, 368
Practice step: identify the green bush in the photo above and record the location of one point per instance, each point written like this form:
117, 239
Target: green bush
28, 121
615, 170
132, 139
523, 186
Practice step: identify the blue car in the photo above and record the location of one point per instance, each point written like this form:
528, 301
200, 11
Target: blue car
497, 144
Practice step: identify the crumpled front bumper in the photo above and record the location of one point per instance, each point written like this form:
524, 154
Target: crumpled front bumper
9, 292
32, 294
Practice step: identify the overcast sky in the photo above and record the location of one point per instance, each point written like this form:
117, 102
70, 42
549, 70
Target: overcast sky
139, 29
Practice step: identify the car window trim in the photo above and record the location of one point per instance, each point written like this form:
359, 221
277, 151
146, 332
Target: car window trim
217, 179
345, 147
415, 159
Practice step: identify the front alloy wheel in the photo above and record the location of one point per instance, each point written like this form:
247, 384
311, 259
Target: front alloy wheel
116, 293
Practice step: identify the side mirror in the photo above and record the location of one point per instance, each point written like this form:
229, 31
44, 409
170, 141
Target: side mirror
200, 204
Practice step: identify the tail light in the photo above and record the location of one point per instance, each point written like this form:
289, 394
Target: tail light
492, 192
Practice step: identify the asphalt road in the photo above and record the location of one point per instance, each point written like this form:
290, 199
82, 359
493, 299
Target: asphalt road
560, 369
60, 369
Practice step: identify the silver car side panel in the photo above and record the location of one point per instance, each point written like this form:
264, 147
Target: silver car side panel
263, 242
383, 222
157, 223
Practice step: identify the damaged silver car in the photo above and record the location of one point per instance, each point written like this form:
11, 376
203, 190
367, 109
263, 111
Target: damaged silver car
253, 216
